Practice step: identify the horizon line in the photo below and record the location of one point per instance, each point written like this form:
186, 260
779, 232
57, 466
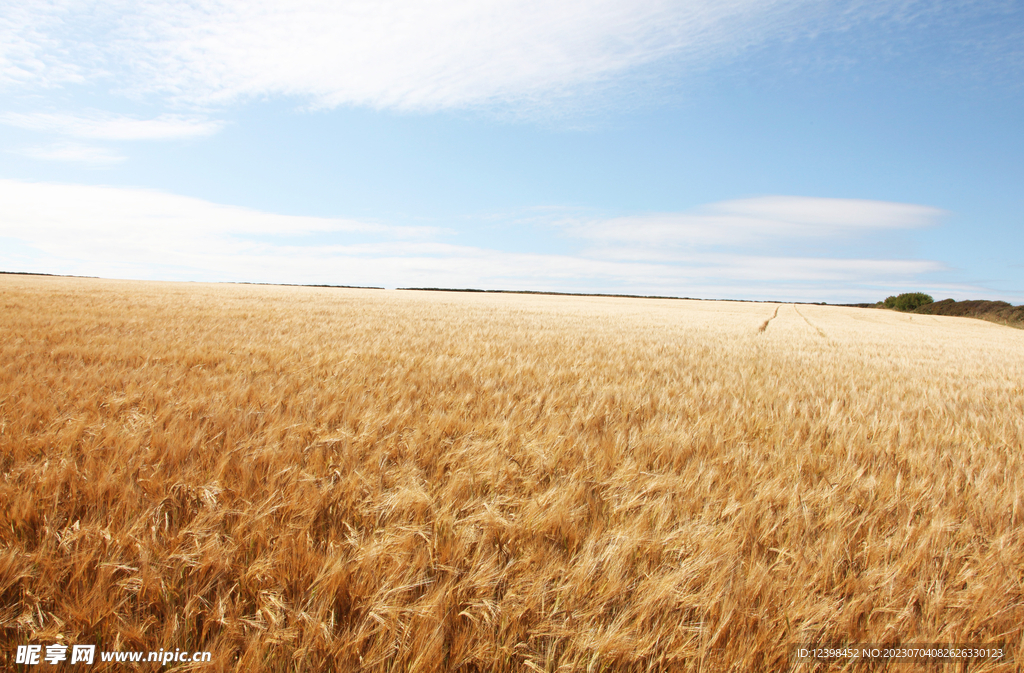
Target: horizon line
451, 289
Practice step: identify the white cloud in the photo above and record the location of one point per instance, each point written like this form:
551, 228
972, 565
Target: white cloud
98, 125
444, 54
72, 152
744, 223
824, 215
136, 233
31, 47
115, 216
413, 55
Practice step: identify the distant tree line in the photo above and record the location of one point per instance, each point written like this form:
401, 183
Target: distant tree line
994, 311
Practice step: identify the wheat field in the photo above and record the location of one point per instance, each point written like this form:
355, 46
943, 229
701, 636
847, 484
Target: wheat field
310, 479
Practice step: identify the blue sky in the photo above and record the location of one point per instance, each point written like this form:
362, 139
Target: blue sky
789, 150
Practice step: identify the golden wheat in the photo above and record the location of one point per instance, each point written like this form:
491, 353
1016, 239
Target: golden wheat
300, 479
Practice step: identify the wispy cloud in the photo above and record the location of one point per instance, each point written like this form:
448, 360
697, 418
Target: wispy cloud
118, 216
744, 223
109, 231
410, 55
380, 53
72, 152
99, 125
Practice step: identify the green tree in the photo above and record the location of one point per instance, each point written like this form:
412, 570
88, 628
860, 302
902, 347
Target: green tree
908, 301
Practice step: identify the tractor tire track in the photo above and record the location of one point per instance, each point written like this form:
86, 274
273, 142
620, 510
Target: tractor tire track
764, 325
810, 324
